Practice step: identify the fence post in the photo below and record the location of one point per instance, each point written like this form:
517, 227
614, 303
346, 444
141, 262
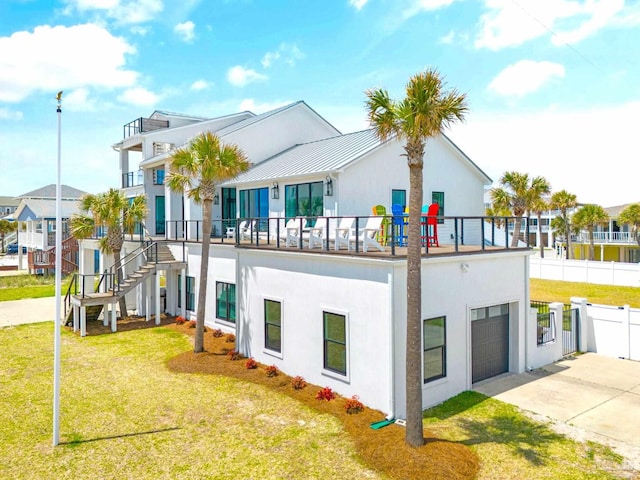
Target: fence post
556, 308
626, 332
584, 327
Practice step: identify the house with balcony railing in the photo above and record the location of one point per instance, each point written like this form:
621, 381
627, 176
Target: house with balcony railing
309, 276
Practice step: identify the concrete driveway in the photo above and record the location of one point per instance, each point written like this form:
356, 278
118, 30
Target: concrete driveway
594, 393
32, 310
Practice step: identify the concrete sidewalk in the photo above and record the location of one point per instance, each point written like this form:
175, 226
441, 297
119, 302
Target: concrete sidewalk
31, 310
592, 392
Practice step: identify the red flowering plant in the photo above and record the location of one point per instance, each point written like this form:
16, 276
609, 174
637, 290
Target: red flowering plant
325, 394
180, 320
233, 355
298, 383
353, 405
272, 371
251, 364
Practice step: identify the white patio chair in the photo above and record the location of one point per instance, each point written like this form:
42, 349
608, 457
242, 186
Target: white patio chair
317, 234
367, 236
245, 228
292, 229
343, 233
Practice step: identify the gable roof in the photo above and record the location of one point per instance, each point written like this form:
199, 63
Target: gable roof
49, 191
9, 201
321, 156
615, 211
45, 208
258, 118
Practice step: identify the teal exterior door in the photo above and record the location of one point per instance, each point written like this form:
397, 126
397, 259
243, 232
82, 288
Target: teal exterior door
160, 215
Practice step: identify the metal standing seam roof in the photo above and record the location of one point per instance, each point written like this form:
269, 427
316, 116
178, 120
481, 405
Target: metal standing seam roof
46, 208
320, 156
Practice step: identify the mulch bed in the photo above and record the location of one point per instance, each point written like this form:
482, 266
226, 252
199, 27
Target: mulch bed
383, 450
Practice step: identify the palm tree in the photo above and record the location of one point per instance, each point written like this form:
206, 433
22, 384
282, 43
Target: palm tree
6, 227
196, 169
631, 216
538, 203
422, 114
119, 215
517, 193
588, 217
565, 201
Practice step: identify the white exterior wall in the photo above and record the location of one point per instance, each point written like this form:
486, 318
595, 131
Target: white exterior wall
307, 285
369, 182
449, 291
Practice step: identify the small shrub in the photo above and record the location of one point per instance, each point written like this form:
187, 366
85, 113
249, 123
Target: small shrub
180, 320
325, 394
298, 383
233, 355
251, 364
191, 324
272, 371
353, 405
231, 337
217, 333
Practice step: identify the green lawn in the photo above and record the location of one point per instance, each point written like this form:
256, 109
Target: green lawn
125, 415
558, 291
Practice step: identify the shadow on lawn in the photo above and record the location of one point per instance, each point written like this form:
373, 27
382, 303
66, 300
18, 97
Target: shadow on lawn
76, 439
527, 439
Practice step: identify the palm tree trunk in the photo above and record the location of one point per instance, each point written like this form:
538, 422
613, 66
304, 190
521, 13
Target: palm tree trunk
198, 344
568, 235
540, 235
591, 245
117, 265
414, 431
517, 225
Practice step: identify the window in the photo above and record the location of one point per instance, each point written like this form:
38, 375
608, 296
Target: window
546, 328
190, 294
434, 344
335, 342
438, 197
158, 176
226, 301
304, 200
399, 197
273, 325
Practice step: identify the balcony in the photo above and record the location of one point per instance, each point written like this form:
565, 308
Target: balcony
132, 179
143, 125
457, 235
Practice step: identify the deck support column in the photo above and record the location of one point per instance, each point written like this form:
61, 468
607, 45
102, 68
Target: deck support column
147, 300
83, 321
157, 277
76, 317
114, 317
183, 293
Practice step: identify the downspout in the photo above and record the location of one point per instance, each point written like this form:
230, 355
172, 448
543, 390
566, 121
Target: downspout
392, 390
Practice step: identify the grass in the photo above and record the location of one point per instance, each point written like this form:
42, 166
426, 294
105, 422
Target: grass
126, 415
559, 291
17, 287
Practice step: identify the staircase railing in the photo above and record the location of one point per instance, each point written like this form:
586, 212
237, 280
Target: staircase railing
145, 252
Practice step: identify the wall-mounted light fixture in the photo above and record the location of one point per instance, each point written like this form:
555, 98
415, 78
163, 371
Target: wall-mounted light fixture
275, 191
328, 186
216, 198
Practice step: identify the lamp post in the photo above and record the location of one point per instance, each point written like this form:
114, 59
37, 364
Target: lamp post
58, 292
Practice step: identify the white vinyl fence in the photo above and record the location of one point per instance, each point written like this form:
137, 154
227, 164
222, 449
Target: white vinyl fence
612, 331
603, 273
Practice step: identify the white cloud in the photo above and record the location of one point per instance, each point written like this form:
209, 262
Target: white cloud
199, 85
288, 53
261, 107
58, 58
448, 38
239, 76
358, 4
139, 96
419, 6
507, 23
6, 114
562, 146
122, 11
78, 100
525, 76
185, 30
140, 30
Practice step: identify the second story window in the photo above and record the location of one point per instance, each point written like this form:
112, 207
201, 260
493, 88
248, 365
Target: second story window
158, 176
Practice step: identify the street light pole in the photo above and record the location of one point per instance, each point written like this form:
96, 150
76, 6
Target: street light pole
58, 290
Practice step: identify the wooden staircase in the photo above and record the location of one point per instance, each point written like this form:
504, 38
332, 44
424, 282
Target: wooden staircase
46, 259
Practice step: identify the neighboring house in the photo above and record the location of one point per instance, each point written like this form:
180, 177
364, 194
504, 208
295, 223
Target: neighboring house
614, 242
8, 205
36, 213
336, 318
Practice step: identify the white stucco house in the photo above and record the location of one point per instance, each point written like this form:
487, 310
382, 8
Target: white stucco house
335, 317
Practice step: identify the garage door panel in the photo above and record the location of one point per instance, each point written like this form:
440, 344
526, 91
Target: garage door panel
489, 347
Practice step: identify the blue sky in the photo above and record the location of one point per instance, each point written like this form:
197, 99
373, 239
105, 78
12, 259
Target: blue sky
552, 84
